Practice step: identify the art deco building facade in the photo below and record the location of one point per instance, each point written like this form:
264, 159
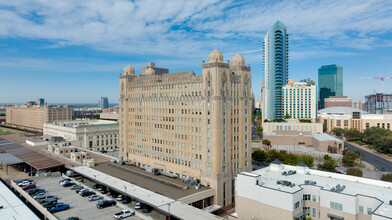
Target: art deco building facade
34, 116
276, 62
192, 126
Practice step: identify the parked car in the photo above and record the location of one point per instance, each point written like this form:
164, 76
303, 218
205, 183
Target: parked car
74, 187
138, 205
48, 201
114, 194
45, 198
64, 180
58, 207
87, 193
382, 169
40, 195
104, 151
34, 191
105, 203
94, 198
120, 197
79, 190
23, 180
25, 183
126, 200
31, 186
146, 208
68, 184
96, 186
72, 218
103, 191
124, 214
50, 204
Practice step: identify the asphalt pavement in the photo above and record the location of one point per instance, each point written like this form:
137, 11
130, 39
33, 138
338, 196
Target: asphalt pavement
373, 159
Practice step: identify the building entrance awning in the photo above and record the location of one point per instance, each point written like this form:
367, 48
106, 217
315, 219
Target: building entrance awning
299, 215
335, 217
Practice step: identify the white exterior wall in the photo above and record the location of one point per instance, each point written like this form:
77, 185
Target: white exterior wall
246, 187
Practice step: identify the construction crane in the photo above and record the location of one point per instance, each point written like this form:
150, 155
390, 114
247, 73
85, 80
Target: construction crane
382, 81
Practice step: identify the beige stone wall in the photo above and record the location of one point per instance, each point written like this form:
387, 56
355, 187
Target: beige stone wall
274, 126
35, 116
194, 126
360, 124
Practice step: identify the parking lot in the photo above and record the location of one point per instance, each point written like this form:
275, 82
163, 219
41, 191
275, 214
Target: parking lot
80, 206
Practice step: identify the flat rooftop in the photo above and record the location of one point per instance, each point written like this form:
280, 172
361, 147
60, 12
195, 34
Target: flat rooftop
353, 185
161, 202
156, 183
13, 207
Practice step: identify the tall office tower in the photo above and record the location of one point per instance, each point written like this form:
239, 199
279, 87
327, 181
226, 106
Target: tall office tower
103, 103
330, 80
40, 101
276, 66
300, 100
192, 126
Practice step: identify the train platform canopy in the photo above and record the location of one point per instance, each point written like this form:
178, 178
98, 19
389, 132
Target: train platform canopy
33, 158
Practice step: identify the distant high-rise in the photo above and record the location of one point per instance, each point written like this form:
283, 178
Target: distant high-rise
276, 60
103, 103
330, 80
40, 101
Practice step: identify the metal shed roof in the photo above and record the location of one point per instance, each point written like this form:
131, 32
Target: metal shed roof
31, 157
9, 159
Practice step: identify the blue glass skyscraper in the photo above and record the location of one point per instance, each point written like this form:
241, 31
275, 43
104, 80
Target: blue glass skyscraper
103, 103
276, 65
330, 80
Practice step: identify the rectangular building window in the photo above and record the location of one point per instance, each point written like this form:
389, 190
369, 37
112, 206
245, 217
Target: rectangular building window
296, 205
314, 212
314, 198
369, 211
337, 206
361, 209
306, 197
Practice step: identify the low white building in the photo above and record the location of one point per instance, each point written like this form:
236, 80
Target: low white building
297, 192
94, 135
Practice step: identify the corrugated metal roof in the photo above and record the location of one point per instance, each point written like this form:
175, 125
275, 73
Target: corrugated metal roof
9, 159
31, 157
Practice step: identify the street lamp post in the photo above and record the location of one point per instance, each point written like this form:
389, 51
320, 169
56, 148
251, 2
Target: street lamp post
125, 189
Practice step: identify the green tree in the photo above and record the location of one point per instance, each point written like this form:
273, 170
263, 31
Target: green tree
353, 134
287, 116
387, 177
325, 127
2, 114
259, 131
327, 157
350, 157
338, 131
266, 142
259, 155
328, 165
291, 159
272, 155
308, 160
354, 171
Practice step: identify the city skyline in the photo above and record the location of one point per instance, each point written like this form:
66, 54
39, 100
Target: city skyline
83, 51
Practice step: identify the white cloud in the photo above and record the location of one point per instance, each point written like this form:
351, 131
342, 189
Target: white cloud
180, 28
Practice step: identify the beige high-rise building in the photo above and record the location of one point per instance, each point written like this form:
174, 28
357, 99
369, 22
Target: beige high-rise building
34, 116
300, 100
192, 126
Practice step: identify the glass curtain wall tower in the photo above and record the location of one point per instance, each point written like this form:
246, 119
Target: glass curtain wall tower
276, 64
330, 80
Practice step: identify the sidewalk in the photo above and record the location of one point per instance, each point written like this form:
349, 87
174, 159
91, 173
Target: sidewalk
370, 151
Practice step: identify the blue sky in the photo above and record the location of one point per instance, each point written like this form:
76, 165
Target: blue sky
73, 51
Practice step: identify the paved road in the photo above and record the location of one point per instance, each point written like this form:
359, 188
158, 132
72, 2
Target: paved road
374, 160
